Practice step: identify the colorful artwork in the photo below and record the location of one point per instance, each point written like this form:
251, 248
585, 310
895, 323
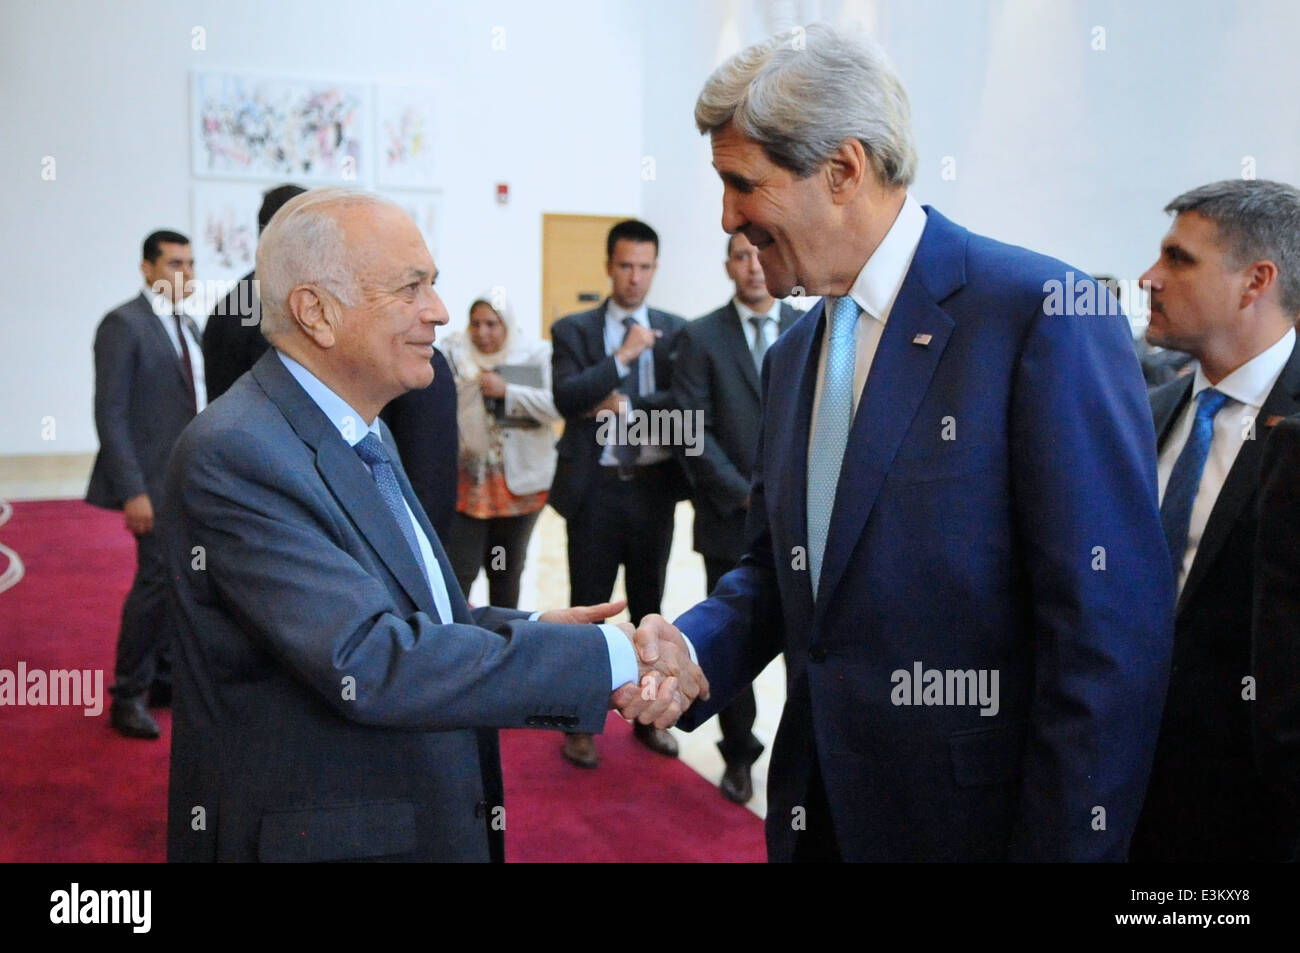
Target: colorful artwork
224, 232
406, 125
248, 126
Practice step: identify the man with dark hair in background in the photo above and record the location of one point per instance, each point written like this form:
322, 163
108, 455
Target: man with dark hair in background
718, 361
232, 339
618, 500
1226, 290
148, 386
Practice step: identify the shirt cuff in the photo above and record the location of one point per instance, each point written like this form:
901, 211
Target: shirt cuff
690, 647
535, 616
623, 666
623, 369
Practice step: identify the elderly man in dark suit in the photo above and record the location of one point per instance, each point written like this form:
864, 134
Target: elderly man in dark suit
337, 697
1226, 290
954, 535
719, 357
148, 386
610, 364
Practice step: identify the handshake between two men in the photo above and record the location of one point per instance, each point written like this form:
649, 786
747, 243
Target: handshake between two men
669, 678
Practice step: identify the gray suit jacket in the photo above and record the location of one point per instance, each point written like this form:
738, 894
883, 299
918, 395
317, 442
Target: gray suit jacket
142, 404
713, 372
323, 709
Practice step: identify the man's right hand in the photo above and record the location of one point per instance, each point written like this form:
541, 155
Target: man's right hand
139, 514
613, 404
637, 340
670, 681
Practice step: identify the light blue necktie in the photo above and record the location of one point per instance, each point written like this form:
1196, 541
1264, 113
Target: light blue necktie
628, 454
372, 451
1185, 478
831, 434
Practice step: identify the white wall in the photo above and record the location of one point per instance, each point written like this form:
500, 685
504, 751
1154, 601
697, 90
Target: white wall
104, 88
1057, 146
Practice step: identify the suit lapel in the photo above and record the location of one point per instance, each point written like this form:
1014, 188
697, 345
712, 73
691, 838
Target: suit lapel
1164, 416
596, 335
1243, 479
900, 375
788, 485
733, 337
347, 478
161, 338
459, 606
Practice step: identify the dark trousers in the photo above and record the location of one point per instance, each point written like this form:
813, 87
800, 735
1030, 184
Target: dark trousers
145, 638
628, 523
738, 744
816, 843
498, 545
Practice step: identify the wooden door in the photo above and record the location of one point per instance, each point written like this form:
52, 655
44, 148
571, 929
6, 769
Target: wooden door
573, 264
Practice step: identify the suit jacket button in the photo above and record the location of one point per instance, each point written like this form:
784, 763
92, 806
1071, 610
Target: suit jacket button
532, 721
817, 653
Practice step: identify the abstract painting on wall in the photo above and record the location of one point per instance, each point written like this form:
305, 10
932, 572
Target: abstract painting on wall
249, 126
405, 125
224, 231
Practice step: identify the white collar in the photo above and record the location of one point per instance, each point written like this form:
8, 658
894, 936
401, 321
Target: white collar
615, 315
1250, 384
161, 303
746, 312
351, 425
880, 279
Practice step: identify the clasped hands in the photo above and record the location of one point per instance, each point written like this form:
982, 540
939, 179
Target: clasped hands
669, 680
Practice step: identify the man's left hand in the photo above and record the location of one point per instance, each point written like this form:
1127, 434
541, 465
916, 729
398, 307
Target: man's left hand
582, 615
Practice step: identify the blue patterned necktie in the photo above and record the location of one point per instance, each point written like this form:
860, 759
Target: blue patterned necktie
372, 451
831, 435
1185, 478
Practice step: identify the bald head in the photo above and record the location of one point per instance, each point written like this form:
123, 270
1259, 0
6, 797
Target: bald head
347, 291
305, 244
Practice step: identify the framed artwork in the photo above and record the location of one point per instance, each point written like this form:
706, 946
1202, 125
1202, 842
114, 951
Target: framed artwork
224, 233
278, 129
405, 124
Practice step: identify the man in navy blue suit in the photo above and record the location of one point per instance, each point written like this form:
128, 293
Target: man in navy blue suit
955, 535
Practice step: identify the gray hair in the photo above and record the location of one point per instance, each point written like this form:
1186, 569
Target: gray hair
1257, 219
304, 244
801, 93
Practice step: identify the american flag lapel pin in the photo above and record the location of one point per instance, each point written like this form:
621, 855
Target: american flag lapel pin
922, 339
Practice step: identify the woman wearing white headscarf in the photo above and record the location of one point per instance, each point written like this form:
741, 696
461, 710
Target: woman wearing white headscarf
507, 446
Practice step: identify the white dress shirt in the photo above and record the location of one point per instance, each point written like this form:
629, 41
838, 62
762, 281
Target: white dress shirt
615, 331
1247, 388
874, 291
162, 306
352, 428
770, 328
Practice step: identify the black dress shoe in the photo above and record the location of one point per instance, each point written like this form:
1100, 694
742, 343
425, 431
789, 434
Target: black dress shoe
736, 783
160, 695
131, 718
657, 740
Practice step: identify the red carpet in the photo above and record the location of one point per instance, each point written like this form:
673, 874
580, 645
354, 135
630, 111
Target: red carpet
71, 789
